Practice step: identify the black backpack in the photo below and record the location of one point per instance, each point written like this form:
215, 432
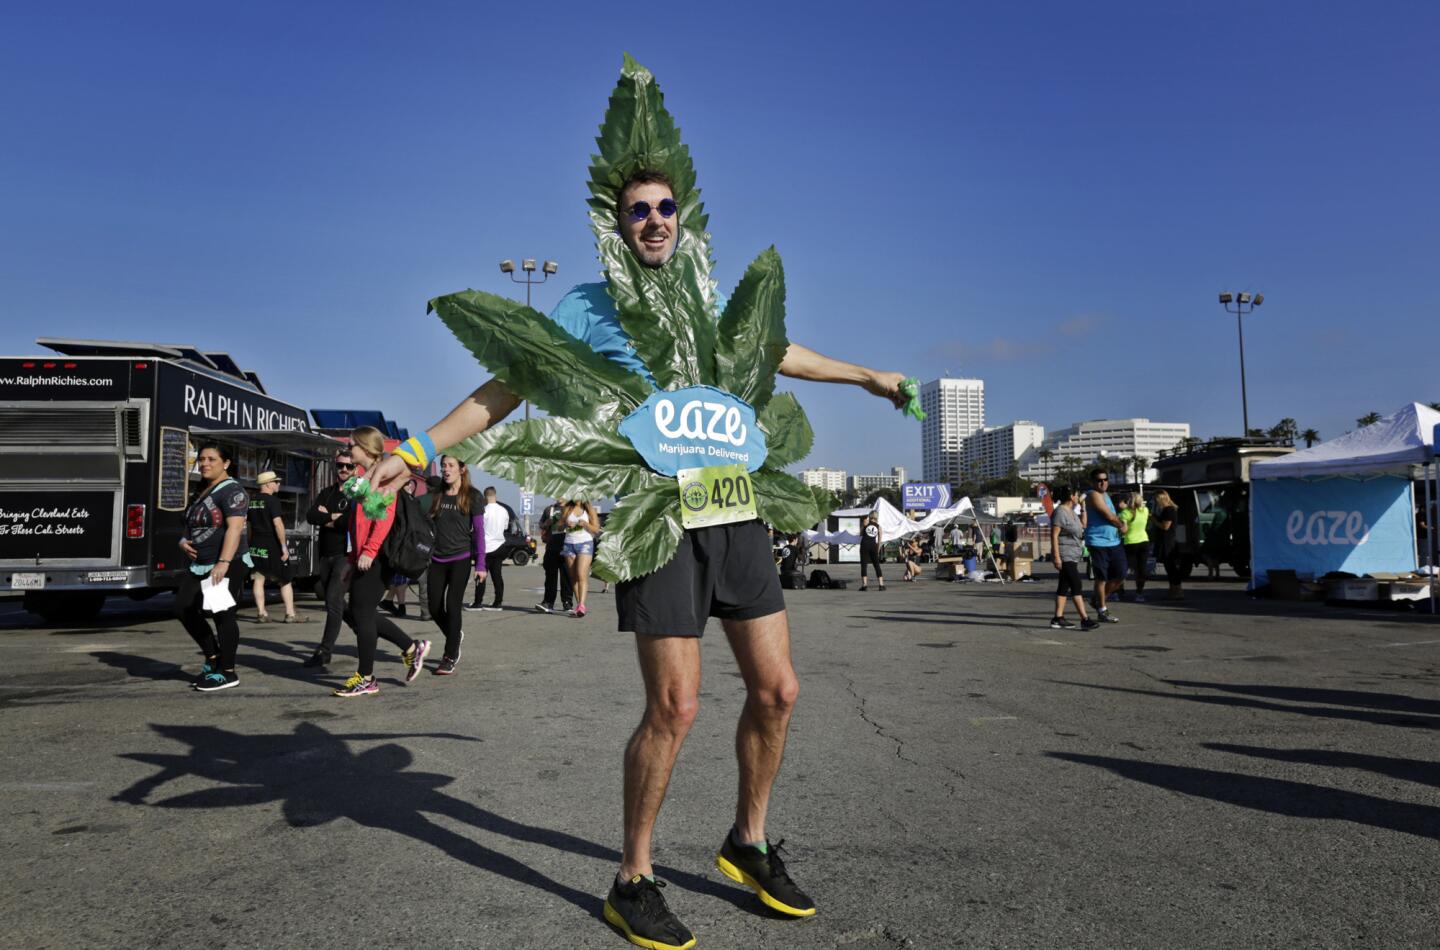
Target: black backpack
819, 580
411, 540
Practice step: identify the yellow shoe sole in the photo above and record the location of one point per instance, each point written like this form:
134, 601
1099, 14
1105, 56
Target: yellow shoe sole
612, 916
740, 877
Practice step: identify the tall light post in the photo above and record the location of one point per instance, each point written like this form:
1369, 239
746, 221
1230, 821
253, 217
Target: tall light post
527, 265
1241, 301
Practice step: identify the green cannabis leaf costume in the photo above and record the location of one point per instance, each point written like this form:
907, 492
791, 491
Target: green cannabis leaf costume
668, 313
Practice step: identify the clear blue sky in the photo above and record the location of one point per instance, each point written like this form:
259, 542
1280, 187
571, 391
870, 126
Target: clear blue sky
1047, 195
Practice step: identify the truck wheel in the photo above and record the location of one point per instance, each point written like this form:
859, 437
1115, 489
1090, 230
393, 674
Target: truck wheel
520, 558
66, 607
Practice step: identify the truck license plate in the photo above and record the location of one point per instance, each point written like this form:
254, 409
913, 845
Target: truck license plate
27, 581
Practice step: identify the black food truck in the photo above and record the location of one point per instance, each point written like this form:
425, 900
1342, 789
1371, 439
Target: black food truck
97, 452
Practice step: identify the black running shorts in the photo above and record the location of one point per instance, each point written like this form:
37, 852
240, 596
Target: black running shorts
272, 568
725, 571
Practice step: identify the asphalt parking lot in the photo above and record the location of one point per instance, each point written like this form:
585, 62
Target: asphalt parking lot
1219, 773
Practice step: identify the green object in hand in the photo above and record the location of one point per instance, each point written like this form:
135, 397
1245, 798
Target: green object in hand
911, 389
372, 502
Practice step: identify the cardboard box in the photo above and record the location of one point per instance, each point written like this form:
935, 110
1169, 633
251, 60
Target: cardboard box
1020, 567
1352, 589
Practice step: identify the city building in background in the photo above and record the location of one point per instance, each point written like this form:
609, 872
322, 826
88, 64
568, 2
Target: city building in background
991, 452
954, 410
1000, 506
831, 479
1115, 440
865, 484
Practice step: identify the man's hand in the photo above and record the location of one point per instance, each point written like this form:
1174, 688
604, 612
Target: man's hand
217, 573
389, 475
285, 553
887, 386
189, 549
363, 564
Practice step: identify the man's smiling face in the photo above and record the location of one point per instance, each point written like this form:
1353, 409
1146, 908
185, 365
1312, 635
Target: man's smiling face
652, 238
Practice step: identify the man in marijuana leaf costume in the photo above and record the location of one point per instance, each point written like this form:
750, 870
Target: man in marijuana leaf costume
643, 375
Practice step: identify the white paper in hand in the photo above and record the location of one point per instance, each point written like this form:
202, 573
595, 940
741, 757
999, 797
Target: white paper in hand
216, 595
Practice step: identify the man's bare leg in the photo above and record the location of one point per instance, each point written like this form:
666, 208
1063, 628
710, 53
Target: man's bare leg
671, 669
762, 650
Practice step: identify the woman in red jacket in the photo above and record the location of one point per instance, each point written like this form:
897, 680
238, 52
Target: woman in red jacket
369, 576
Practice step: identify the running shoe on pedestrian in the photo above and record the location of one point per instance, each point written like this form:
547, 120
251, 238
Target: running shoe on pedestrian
1060, 623
638, 910
358, 685
492, 607
446, 667
1088, 624
580, 611
205, 670
474, 606
320, 658
218, 680
1107, 617
415, 658
568, 605
763, 872
545, 608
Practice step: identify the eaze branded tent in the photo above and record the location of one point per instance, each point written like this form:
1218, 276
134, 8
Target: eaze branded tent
1344, 505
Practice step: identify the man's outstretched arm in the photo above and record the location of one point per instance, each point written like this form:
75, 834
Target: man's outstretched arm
479, 411
801, 362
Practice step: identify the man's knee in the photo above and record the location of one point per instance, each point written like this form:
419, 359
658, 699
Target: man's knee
673, 711
779, 696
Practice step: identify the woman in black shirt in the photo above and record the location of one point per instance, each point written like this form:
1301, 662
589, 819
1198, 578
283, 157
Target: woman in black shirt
215, 544
1167, 552
871, 537
459, 514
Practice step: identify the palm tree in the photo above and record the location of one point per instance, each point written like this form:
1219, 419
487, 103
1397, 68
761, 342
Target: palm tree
1045, 456
1141, 465
1369, 419
1286, 428
1310, 436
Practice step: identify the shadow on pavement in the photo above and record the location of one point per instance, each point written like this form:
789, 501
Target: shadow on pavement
1333, 697
317, 780
1375, 717
1276, 796
1406, 770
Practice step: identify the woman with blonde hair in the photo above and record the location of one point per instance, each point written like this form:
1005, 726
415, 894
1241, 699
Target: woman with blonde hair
582, 524
1167, 547
1135, 535
369, 572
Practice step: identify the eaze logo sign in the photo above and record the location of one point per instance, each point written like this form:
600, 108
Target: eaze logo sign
1327, 527
696, 427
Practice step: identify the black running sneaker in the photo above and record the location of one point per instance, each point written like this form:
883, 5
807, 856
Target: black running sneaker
1107, 617
765, 874
637, 909
320, 657
1060, 623
1088, 624
213, 682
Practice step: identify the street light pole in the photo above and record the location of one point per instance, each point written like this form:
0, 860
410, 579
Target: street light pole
1242, 300
527, 265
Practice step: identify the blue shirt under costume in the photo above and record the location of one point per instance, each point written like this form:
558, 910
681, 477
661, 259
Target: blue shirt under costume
588, 314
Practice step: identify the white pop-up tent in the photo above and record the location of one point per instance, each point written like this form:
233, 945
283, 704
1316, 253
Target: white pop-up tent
893, 523
1344, 505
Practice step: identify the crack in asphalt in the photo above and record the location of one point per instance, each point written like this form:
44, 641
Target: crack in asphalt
860, 702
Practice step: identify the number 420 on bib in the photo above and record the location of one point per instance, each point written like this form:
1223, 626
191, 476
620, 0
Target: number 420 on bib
720, 494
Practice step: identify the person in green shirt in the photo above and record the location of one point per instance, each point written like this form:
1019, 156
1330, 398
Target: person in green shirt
1136, 538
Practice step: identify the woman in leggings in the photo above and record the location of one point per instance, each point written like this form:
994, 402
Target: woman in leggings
369, 574
1136, 539
459, 515
871, 537
214, 542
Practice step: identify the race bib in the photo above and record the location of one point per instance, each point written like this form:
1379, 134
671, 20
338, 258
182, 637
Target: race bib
720, 494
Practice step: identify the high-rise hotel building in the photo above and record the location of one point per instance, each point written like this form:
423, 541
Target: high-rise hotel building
954, 410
